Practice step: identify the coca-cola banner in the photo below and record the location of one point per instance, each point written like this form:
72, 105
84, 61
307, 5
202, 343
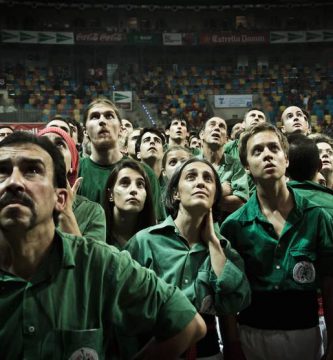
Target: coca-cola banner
97, 37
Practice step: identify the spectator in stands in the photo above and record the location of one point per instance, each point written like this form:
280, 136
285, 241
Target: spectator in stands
5, 130
195, 142
69, 292
80, 216
102, 124
62, 123
291, 255
236, 130
77, 132
125, 130
149, 149
127, 126
173, 158
187, 251
129, 205
177, 131
295, 119
231, 173
131, 141
252, 117
325, 147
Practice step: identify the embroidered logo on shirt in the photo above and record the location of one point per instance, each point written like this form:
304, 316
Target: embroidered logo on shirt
84, 354
304, 272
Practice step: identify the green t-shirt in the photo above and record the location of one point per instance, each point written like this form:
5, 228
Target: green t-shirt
90, 217
95, 177
82, 291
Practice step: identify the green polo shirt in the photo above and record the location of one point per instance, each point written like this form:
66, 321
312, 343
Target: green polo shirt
231, 148
274, 263
318, 194
90, 217
80, 292
232, 170
95, 177
162, 249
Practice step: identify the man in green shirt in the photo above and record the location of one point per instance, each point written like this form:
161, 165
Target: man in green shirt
102, 124
303, 150
81, 216
252, 117
62, 296
232, 175
286, 243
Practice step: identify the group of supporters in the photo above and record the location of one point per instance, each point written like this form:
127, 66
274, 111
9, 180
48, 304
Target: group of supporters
211, 238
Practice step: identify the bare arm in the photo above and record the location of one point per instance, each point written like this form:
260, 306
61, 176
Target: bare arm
173, 347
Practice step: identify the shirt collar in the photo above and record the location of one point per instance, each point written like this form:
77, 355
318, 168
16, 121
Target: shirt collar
252, 210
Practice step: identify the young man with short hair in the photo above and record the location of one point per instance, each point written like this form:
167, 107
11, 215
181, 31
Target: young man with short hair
295, 120
102, 124
286, 243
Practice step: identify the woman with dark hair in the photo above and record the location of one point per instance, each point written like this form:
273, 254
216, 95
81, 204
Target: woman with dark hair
128, 202
188, 251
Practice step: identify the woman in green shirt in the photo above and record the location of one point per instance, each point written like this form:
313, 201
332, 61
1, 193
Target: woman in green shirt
128, 202
187, 250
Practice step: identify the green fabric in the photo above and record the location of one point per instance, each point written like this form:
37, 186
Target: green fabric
232, 170
162, 249
271, 259
95, 177
81, 291
231, 148
90, 217
318, 194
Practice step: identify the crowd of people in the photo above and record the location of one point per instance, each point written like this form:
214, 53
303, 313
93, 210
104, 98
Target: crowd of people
120, 242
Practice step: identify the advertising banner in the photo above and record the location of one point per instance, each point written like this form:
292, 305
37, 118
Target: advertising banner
233, 101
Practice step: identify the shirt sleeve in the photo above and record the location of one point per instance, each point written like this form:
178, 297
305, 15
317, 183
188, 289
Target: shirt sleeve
144, 303
239, 183
92, 221
231, 288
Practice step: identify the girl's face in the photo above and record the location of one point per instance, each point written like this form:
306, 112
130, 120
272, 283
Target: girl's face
129, 192
196, 187
174, 159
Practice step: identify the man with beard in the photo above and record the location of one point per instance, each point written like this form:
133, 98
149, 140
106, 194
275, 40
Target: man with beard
62, 295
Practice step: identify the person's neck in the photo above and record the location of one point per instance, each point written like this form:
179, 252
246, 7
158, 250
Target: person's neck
155, 164
124, 226
178, 142
105, 156
25, 250
189, 225
329, 180
274, 195
213, 155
